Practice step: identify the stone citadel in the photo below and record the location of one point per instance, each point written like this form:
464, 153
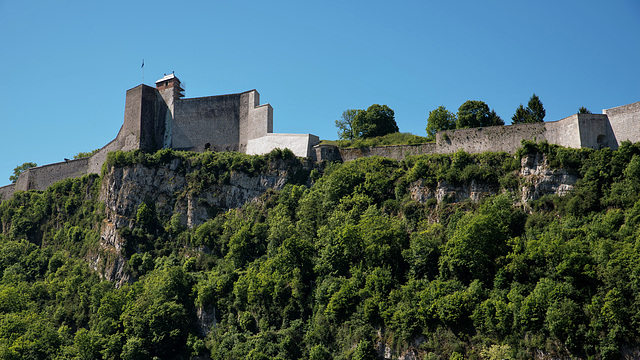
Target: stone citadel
161, 117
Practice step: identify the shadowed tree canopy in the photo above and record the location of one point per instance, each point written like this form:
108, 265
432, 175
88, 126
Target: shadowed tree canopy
534, 112
440, 119
475, 113
377, 120
584, 110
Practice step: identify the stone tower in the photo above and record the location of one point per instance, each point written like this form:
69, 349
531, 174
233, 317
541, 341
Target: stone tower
171, 90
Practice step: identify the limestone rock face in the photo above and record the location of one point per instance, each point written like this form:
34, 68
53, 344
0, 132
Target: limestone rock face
168, 187
536, 175
541, 180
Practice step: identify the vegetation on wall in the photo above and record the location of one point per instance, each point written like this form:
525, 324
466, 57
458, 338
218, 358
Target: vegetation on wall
343, 269
440, 119
475, 113
396, 138
81, 155
20, 169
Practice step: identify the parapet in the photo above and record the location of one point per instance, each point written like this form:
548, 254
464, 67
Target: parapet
300, 144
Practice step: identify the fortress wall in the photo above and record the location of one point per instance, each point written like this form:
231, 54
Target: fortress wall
396, 152
214, 120
129, 136
625, 122
322, 152
595, 131
565, 132
94, 165
493, 138
6, 192
255, 120
299, 144
144, 120
41, 177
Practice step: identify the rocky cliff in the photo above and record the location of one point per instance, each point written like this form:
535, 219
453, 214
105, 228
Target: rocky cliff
184, 192
535, 177
178, 190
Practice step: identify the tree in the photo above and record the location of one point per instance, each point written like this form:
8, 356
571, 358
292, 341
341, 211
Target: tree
584, 110
521, 116
534, 112
377, 120
20, 169
475, 113
440, 119
536, 108
345, 124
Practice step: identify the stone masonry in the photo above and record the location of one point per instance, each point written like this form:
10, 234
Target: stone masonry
161, 117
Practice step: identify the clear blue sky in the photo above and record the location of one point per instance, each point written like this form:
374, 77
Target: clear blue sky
66, 65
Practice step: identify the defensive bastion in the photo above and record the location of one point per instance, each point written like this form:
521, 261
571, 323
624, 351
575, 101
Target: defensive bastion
161, 117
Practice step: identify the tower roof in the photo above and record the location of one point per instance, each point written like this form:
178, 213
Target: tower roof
168, 77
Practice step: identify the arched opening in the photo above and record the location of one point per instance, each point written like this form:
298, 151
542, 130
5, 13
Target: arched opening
207, 147
602, 141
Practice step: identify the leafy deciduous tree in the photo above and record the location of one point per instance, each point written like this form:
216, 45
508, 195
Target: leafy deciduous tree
377, 120
475, 113
345, 124
440, 119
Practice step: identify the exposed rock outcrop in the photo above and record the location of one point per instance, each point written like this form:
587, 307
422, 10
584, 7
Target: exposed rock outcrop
540, 180
174, 189
537, 177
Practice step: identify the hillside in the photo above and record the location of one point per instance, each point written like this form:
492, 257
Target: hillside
178, 255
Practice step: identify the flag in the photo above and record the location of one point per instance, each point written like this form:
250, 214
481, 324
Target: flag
142, 63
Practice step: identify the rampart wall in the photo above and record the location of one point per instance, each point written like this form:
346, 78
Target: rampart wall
42, 177
564, 132
596, 132
493, 138
257, 122
396, 152
6, 192
237, 122
300, 144
212, 120
625, 122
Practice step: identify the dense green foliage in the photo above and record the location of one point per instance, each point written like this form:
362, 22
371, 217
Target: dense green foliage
440, 119
81, 155
345, 124
475, 113
396, 138
20, 169
377, 120
534, 112
332, 271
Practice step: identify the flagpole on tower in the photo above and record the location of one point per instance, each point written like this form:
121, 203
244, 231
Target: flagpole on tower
142, 71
